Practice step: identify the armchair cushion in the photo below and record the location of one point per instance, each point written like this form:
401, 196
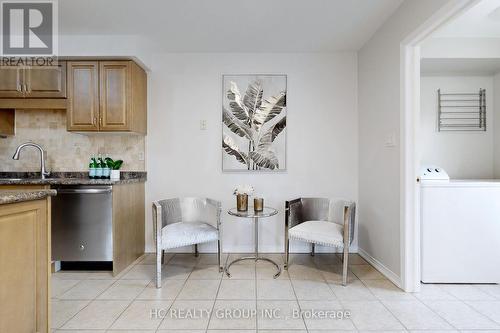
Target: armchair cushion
318, 232
187, 233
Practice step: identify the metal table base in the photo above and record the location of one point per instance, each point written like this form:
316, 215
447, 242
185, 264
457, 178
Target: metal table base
256, 257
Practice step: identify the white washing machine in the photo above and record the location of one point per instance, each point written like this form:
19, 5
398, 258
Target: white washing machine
460, 229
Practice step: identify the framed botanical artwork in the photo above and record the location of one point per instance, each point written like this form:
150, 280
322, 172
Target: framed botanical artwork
254, 122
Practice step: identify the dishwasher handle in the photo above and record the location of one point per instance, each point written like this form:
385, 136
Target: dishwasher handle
85, 190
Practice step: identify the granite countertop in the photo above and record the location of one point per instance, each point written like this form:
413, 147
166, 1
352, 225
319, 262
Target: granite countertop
13, 196
68, 178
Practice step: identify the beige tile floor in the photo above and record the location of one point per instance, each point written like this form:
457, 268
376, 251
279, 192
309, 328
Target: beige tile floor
97, 302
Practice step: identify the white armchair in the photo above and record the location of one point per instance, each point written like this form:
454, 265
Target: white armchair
185, 221
321, 221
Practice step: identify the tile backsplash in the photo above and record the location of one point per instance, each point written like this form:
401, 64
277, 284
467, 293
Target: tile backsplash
66, 151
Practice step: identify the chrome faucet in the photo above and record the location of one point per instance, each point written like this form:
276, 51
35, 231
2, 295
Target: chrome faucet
42, 156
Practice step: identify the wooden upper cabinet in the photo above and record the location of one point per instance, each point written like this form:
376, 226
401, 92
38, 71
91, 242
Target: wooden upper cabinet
83, 96
121, 94
114, 80
45, 81
11, 79
33, 82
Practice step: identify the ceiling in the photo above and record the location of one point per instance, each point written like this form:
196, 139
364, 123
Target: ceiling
231, 25
457, 66
482, 20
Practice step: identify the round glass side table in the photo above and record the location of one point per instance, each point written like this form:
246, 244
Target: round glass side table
251, 214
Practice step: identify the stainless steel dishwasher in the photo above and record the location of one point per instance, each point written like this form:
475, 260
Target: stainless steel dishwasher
82, 227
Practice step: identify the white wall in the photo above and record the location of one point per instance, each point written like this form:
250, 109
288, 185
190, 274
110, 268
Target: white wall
461, 48
186, 161
106, 46
464, 155
496, 124
379, 69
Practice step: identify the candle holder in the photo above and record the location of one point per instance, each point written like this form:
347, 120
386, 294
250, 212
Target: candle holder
242, 202
258, 204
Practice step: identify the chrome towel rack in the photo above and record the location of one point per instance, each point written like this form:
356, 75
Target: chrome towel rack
462, 111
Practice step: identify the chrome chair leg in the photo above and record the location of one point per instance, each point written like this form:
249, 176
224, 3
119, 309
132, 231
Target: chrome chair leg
159, 262
196, 254
312, 249
163, 257
345, 259
345, 255
287, 253
221, 269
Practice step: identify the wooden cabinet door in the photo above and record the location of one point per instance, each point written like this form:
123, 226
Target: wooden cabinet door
24, 262
83, 96
114, 95
10, 82
46, 81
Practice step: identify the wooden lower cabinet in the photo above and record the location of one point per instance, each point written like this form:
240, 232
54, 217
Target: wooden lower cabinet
128, 225
24, 267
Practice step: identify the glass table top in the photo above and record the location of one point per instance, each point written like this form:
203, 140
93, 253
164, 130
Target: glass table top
250, 213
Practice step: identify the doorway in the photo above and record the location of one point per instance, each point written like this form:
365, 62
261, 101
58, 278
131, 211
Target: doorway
411, 150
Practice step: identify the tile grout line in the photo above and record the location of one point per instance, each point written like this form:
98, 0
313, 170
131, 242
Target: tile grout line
481, 314
467, 305
382, 303
213, 306
180, 290
95, 299
437, 314
215, 299
333, 292
340, 301
377, 299
59, 297
89, 302
128, 306
297, 301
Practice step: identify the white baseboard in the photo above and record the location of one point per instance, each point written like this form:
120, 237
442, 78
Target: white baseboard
393, 277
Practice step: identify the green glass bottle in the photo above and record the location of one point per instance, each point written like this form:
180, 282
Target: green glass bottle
105, 169
98, 168
92, 168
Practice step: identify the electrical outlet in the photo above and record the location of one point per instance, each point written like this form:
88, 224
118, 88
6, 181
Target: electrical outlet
141, 156
390, 140
203, 125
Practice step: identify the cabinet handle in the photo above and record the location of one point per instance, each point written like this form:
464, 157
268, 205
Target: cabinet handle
94, 121
100, 121
19, 87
